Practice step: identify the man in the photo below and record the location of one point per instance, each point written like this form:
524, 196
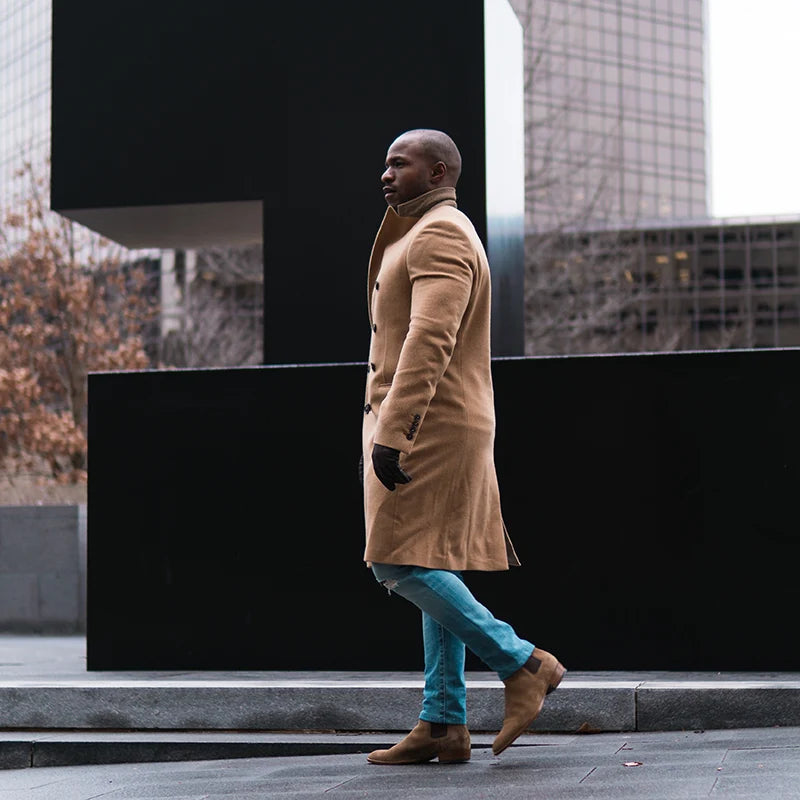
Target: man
431, 500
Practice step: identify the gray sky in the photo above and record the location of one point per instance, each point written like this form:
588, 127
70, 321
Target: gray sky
754, 106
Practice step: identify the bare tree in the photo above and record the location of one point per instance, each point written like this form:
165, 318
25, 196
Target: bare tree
221, 309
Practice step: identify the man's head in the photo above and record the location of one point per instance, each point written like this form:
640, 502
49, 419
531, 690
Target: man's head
418, 161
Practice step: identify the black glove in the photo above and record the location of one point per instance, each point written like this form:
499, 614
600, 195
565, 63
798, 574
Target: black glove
361, 468
386, 462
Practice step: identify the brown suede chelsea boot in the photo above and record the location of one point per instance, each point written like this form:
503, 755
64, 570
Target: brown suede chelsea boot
428, 740
524, 695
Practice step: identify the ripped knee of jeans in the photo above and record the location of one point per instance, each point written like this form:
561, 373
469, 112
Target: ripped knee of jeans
389, 584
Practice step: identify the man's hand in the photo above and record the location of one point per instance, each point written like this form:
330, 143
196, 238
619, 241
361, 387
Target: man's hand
386, 462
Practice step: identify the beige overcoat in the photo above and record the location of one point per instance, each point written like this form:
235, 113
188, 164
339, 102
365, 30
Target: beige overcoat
429, 393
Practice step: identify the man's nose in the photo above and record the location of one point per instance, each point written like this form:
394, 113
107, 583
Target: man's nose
387, 175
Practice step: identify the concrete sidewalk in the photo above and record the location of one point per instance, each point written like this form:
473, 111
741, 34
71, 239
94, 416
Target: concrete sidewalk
52, 711
753, 764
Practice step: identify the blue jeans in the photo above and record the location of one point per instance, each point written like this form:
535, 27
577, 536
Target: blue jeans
451, 619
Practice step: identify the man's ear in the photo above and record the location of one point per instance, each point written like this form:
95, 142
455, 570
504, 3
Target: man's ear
438, 172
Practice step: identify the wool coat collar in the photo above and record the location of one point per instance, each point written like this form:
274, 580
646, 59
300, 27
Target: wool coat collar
398, 222
425, 202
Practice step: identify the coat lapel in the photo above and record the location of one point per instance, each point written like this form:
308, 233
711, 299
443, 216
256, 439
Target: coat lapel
392, 228
397, 224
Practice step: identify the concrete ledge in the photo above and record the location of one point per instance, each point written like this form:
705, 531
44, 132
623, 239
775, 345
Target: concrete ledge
582, 704
263, 705
115, 748
15, 754
156, 720
36, 749
689, 705
54, 711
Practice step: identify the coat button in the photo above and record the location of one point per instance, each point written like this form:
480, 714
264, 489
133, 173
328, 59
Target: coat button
409, 436
417, 417
367, 408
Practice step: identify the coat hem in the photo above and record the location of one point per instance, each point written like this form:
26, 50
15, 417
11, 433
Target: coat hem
450, 567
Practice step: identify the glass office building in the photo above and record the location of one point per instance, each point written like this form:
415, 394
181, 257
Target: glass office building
704, 286
25, 33
615, 111
621, 253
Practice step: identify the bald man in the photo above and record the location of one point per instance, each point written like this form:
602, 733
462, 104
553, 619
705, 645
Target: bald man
431, 498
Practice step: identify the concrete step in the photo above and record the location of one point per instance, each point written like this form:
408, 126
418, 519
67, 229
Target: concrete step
21, 749
375, 701
54, 711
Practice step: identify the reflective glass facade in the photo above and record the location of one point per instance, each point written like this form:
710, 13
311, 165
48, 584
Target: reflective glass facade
615, 111
702, 287
25, 32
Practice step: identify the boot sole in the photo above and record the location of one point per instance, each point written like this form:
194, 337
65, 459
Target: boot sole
400, 763
442, 760
459, 760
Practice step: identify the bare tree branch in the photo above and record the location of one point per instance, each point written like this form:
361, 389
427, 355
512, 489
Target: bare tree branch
221, 311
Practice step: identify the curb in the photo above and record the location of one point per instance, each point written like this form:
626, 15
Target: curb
581, 704
24, 749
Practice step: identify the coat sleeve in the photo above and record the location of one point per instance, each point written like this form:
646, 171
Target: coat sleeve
440, 263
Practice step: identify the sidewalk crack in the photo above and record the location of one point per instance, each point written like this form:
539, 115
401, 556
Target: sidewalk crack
587, 774
337, 785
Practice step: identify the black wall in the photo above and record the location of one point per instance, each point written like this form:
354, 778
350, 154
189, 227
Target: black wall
651, 499
290, 104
